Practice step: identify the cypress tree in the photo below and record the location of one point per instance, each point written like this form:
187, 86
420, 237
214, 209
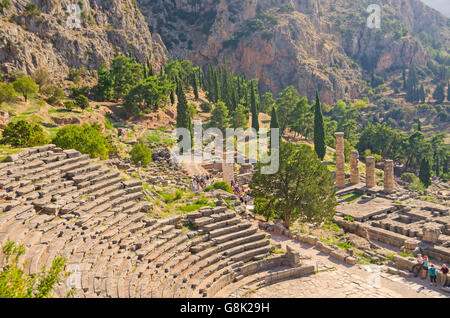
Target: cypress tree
183, 114
172, 97
274, 124
419, 126
254, 108
194, 85
437, 166
217, 93
422, 93
445, 165
424, 173
439, 94
411, 85
448, 92
150, 70
145, 71
319, 129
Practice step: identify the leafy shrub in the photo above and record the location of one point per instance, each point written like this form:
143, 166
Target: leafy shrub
76, 74
349, 218
4, 4
54, 94
409, 177
41, 77
256, 24
141, 153
108, 124
87, 139
16, 283
7, 93
417, 186
344, 245
223, 186
331, 226
32, 9
23, 134
405, 253
82, 90
171, 197
82, 101
69, 105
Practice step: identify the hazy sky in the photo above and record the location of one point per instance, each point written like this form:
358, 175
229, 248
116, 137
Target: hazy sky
441, 5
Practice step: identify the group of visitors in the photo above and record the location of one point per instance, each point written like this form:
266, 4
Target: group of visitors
201, 181
424, 266
244, 196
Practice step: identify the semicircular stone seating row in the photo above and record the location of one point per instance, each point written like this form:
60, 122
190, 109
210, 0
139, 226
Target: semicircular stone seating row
61, 203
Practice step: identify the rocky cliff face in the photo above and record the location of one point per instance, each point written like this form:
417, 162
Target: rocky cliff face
310, 44
45, 35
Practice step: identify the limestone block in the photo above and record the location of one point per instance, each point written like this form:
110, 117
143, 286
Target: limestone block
350, 260
338, 255
411, 244
431, 233
404, 263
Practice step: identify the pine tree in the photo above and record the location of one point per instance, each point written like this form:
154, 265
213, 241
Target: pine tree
319, 129
194, 85
424, 173
254, 108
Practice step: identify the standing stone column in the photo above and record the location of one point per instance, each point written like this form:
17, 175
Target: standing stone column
227, 170
354, 171
388, 176
340, 160
370, 172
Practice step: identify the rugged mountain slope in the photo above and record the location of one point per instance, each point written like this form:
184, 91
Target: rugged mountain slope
305, 43
40, 36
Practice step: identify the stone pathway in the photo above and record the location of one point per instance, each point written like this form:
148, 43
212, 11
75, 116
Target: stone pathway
336, 279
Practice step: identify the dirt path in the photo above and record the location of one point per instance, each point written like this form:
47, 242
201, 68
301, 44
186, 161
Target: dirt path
194, 169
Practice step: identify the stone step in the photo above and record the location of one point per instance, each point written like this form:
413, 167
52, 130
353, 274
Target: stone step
222, 224
248, 255
90, 176
228, 230
231, 236
241, 241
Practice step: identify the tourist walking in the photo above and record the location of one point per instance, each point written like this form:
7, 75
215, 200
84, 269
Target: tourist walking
432, 273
